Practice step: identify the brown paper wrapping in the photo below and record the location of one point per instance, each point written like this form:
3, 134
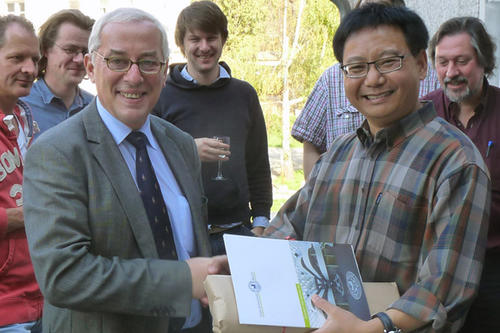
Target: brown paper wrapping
224, 312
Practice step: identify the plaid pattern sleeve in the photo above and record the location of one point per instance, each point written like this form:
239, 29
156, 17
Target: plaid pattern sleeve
414, 203
430, 83
328, 113
452, 254
310, 124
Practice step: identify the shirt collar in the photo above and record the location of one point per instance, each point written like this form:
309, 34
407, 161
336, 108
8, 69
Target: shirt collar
120, 131
47, 94
223, 74
399, 131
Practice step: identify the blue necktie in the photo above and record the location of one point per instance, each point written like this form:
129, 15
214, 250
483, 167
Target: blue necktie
152, 198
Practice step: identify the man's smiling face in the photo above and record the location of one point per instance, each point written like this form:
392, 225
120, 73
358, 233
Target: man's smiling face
383, 98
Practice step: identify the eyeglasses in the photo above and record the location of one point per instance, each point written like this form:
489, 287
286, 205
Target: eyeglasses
120, 64
384, 65
72, 50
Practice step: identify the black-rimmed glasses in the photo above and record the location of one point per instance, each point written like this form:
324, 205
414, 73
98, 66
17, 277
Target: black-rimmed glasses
121, 64
384, 65
72, 50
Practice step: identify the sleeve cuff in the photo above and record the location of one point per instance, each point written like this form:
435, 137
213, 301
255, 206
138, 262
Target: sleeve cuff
260, 221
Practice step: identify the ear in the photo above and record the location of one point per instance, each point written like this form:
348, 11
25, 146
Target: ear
89, 66
421, 60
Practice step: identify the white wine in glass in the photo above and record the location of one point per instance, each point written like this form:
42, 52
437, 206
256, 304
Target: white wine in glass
226, 140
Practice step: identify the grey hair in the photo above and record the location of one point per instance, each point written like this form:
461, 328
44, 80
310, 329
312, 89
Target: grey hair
126, 15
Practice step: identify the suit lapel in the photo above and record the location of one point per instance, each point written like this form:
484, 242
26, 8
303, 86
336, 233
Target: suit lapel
176, 162
110, 159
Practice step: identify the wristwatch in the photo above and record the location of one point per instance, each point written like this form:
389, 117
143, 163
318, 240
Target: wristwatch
387, 322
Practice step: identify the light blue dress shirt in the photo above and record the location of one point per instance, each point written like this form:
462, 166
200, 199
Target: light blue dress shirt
48, 109
177, 204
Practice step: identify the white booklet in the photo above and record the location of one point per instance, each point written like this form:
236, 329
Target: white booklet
275, 279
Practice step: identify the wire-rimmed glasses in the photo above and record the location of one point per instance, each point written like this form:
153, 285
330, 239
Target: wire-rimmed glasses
383, 65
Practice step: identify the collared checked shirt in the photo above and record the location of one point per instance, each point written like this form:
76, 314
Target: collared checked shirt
329, 114
413, 201
48, 109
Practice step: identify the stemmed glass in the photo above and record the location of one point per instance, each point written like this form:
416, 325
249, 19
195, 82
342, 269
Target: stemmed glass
226, 140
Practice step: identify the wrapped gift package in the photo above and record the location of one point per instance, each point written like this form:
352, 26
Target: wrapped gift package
224, 312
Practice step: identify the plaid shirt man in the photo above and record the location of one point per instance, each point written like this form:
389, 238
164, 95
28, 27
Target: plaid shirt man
413, 202
329, 114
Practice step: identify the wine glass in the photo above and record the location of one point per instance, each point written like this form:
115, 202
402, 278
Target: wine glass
226, 140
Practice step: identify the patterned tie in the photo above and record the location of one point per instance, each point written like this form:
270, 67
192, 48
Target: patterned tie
152, 198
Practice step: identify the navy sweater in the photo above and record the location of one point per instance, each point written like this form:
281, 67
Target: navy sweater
228, 107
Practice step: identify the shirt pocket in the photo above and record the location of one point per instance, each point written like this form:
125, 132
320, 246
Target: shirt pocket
396, 227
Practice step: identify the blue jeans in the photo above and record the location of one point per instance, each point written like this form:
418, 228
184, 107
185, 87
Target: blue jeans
217, 241
29, 327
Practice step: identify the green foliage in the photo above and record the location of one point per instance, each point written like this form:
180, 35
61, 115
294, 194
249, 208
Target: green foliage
284, 188
254, 49
320, 22
273, 117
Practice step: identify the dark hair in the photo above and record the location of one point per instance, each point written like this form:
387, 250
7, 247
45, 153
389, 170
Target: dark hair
385, 2
7, 20
47, 34
202, 15
481, 41
373, 15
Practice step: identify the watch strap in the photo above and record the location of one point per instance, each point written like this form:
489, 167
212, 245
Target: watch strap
387, 322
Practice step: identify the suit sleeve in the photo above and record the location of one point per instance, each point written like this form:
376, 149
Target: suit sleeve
73, 263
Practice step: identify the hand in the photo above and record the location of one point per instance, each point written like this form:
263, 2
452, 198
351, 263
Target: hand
200, 268
210, 150
340, 320
15, 219
258, 231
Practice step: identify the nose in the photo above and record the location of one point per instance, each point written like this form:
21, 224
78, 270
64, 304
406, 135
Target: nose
30, 67
78, 57
373, 77
451, 69
204, 45
133, 74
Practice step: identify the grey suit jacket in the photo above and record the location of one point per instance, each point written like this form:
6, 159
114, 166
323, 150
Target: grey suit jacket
91, 244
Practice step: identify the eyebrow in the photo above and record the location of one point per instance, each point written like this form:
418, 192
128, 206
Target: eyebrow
75, 45
144, 54
383, 54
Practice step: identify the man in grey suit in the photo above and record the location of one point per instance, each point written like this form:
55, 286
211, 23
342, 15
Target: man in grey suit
94, 253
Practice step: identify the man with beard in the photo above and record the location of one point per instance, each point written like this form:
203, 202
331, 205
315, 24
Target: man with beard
463, 54
203, 99
55, 96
